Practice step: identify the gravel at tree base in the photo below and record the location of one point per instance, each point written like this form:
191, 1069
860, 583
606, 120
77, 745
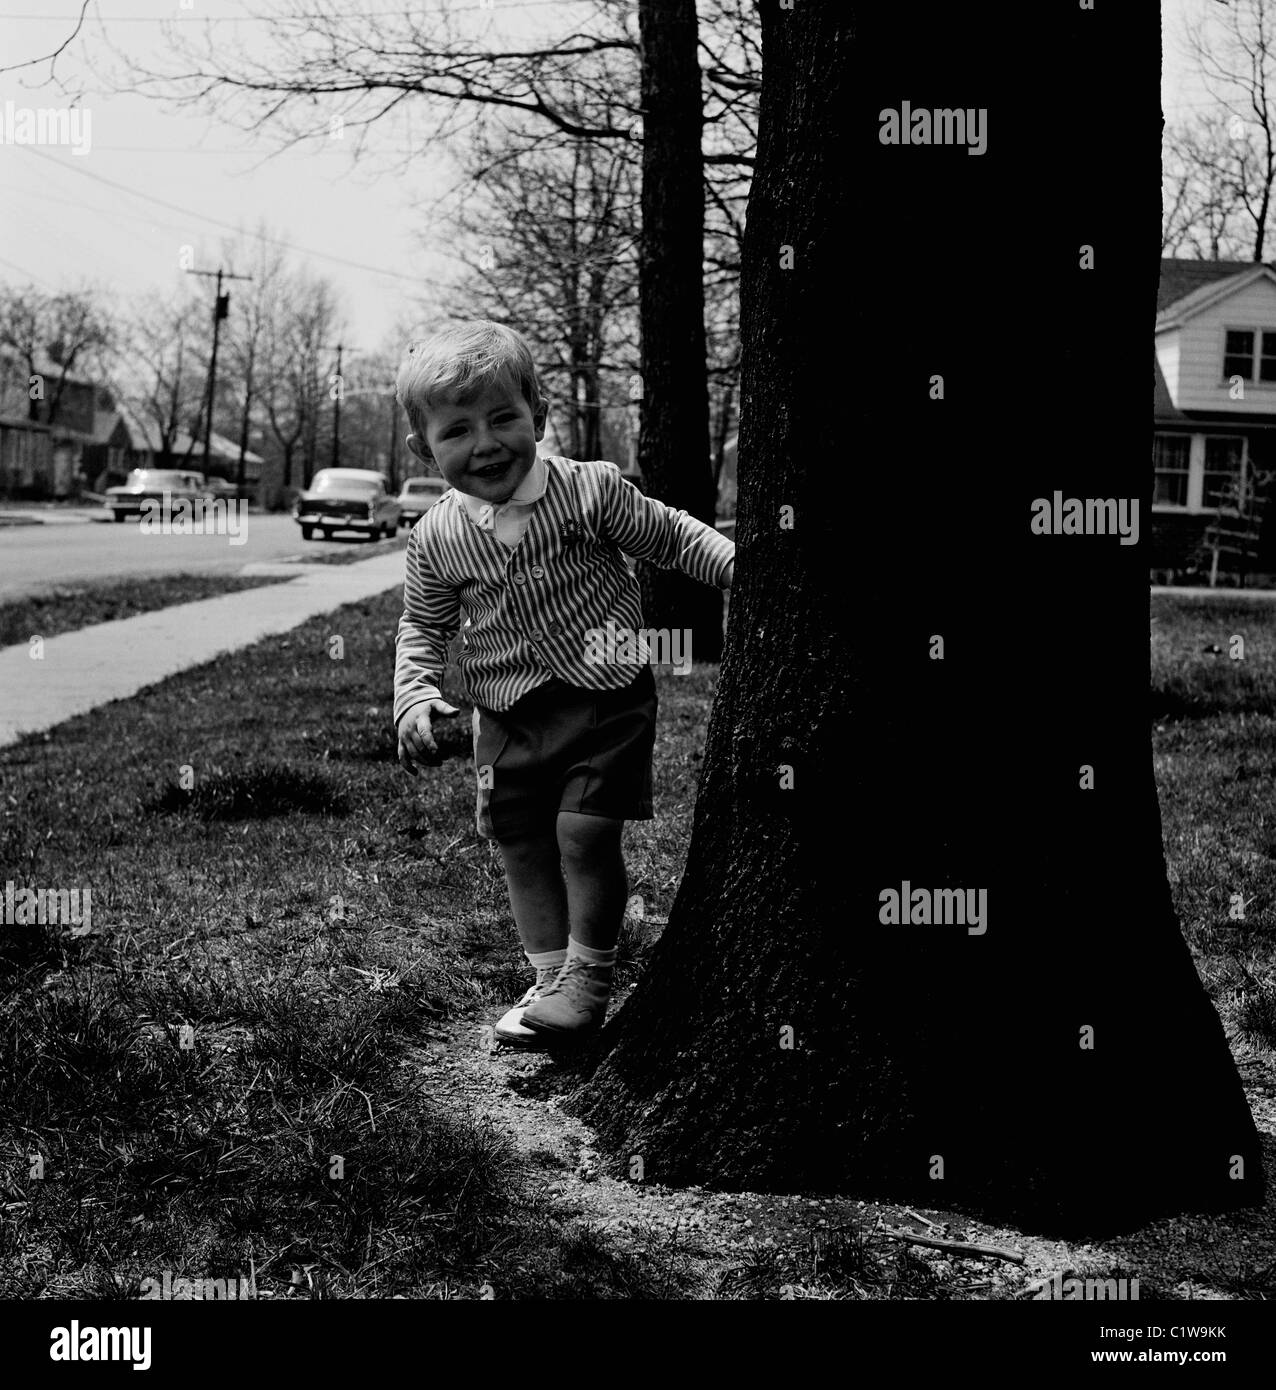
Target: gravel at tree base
720, 1237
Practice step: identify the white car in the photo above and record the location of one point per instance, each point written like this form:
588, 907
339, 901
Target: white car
153, 485
417, 497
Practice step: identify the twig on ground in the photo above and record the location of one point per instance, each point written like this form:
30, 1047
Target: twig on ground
958, 1247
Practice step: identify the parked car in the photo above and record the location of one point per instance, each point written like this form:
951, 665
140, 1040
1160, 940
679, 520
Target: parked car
347, 499
224, 489
153, 485
418, 496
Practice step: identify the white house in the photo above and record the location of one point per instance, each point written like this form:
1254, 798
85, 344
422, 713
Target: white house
1215, 402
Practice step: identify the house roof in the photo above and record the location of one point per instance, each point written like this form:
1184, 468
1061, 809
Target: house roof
1180, 278
145, 435
104, 425
1195, 289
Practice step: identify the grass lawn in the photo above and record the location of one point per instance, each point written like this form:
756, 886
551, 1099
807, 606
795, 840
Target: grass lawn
282, 921
265, 951
70, 607
1214, 732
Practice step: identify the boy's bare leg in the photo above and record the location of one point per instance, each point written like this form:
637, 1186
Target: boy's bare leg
597, 886
537, 894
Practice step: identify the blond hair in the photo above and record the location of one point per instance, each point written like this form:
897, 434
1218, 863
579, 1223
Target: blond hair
460, 362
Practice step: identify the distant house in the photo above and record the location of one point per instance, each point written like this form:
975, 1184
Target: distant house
146, 451
27, 467
92, 441
1214, 412
43, 451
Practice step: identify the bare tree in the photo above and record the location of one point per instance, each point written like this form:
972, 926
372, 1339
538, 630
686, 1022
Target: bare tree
295, 381
161, 377
1234, 49
69, 329
365, 66
552, 232
255, 305
1211, 185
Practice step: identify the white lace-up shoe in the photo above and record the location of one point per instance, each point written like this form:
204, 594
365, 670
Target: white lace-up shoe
575, 1003
510, 1027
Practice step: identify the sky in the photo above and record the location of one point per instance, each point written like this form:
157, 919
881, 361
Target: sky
154, 178
1181, 90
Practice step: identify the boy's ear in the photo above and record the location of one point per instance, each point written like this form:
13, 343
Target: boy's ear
417, 447
539, 419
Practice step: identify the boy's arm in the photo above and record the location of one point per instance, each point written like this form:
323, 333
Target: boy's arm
670, 539
431, 618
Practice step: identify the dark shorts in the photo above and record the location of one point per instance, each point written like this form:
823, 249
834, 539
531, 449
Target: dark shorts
561, 748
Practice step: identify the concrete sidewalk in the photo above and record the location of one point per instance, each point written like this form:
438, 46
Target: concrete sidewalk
112, 661
59, 516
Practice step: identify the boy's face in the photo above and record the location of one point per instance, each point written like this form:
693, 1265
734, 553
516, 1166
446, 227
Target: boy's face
485, 447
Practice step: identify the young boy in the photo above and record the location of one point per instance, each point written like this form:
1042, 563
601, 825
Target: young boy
527, 549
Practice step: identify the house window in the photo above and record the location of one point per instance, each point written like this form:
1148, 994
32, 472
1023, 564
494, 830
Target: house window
1238, 354
1224, 470
1247, 349
1171, 455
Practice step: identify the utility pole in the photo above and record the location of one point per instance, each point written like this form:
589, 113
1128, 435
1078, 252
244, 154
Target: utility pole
339, 390
221, 309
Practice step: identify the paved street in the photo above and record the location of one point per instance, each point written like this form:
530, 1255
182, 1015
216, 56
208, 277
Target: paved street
74, 549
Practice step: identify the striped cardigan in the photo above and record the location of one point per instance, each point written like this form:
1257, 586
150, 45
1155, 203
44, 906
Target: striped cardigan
527, 611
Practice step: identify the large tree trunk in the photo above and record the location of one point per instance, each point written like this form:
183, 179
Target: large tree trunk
784, 1036
673, 442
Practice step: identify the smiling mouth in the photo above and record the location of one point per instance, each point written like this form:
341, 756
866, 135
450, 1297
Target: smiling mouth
493, 470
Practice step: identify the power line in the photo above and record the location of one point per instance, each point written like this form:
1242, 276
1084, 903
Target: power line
227, 226
147, 219
30, 275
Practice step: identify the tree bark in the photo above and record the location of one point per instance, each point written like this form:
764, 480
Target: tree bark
673, 441
783, 1036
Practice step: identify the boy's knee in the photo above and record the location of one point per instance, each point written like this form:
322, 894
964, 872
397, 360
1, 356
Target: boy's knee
528, 847
584, 838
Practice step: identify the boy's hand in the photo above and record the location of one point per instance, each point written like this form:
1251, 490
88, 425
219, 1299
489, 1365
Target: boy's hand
416, 736
730, 575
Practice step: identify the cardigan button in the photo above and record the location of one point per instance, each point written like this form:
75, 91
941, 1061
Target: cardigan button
520, 578
537, 572
536, 634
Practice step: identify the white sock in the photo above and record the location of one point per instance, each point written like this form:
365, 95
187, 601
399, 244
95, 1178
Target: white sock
598, 959
547, 960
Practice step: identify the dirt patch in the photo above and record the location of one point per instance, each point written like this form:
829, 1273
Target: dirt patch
799, 1246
